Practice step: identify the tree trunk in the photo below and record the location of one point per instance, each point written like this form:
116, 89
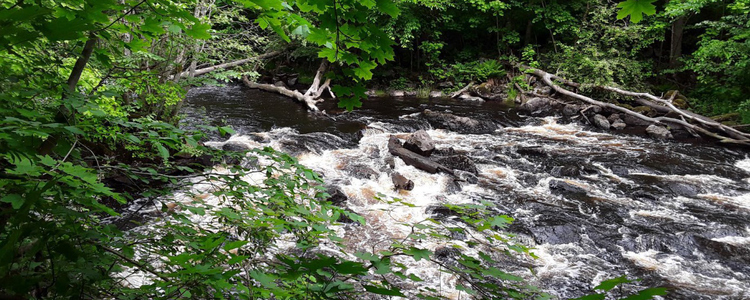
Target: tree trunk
675, 51
63, 114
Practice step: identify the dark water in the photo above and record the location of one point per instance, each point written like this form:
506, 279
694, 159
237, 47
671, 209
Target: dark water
593, 204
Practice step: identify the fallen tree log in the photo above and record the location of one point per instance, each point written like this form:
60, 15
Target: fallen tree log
307, 100
725, 134
235, 63
310, 98
461, 91
416, 160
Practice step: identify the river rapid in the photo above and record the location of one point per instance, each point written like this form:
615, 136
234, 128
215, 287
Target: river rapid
592, 204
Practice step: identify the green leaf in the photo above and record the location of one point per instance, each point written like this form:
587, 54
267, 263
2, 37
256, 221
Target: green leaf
15, 200
199, 31
647, 294
635, 9
224, 130
418, 254
234, 245
163, 152
364, 71
389, 7
74, 130
384, 291
609, 284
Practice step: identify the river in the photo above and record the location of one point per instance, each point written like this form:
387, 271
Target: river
592, 204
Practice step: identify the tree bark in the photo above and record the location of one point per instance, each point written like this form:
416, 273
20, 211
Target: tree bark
63, 114
675, 51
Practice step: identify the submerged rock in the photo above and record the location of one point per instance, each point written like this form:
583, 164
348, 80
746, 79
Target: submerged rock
420, 143
658, 132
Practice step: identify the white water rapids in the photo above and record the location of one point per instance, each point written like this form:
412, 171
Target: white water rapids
609, 225
593, 205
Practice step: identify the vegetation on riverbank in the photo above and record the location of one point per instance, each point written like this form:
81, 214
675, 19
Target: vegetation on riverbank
92, 91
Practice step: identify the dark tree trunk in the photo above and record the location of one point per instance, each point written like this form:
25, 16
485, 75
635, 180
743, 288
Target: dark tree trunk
63, 114
675, 51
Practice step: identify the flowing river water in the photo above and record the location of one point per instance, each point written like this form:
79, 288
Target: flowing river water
592, 204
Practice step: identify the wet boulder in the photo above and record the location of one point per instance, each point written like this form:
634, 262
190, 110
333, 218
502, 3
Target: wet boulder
420, 143
401, 183
436, 94
336, 196
467, 176
361, 171
683, 189
235, 146
618, 125
397, 93
565, 186
634, 121
457, 123
536, 104
619, 170
601, 122
565, 171
440, 212
453, 187
658, 132
459, 162
614, 118
571, 110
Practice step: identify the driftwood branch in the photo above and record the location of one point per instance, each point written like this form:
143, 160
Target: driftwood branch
235, 63
703, 126
461, 91
684, 114
309, 101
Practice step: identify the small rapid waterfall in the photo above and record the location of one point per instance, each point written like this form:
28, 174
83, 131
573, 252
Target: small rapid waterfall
593, 205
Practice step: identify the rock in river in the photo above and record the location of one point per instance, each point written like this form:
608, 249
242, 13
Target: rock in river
658, 132
420, 143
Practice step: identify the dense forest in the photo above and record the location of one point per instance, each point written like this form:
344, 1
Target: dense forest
92, 93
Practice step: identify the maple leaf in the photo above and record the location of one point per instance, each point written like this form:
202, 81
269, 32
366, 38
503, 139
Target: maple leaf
635, 9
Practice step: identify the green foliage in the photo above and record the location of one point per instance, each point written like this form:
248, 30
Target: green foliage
477, 71
636, 9
608, 285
